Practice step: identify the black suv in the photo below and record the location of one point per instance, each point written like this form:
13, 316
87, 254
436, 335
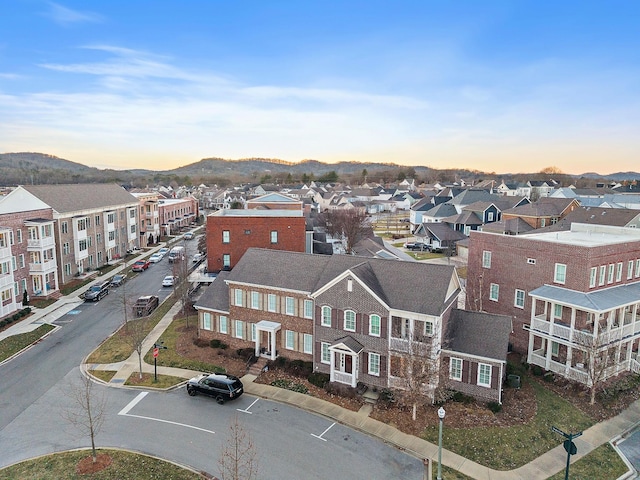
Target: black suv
220, 386
97, 291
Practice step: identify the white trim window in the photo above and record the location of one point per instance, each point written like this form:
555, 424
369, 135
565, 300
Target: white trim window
494, 292
308, 309
593, 277
226, 260
206, 320
325, 320
557, 311
374, 364
519, 299
326, 355
274, 236
619, 272
374, 325
350, 320
271, 302
555, 348
603, 274
428, 328
239, 330
255, 300
226, 237
484, 375
223, 325
610, 273
237, 300
455, 369
289, 342
560, 273
638, 268
486, 259
289, 306
630, 270
307, 343
254, 332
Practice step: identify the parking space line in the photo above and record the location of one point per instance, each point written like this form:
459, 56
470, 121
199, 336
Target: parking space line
320, 436
133, 403
246, 410
169, 422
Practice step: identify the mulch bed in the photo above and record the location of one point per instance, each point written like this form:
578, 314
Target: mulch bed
87, 466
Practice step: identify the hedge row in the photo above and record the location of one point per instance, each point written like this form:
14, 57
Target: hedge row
15, 317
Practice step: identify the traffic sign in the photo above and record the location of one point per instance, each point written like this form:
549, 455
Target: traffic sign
155, 352
557, 430
570, 447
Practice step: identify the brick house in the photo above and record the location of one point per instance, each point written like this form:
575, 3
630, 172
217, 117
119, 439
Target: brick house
562, 291
542, 213
353, 317
92, 223
231, 232
149, 218
176, 213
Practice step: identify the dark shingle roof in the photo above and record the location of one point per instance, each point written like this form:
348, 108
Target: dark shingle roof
216, 296
71, 198
476, 333
430, 283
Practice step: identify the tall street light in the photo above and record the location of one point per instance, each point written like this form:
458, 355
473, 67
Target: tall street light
441, 414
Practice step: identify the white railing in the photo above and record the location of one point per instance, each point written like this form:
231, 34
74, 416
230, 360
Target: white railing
399, 344
555, 330
540, 325
6, 279
635, 366
47, 266
539, 360
341, 377
41, 242
5, 252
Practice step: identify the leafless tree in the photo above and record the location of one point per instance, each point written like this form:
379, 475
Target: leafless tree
180, 271
598, 355
418, 367
86, 410
349, 225
134, 332
239, 458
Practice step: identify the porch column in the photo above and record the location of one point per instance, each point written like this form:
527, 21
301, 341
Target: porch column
530, 350
257, 348
354, 370
332, 357
569, 360
272, 344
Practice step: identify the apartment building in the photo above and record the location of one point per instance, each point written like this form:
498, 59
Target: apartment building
565, 292
149, 218
92, 224
176, 214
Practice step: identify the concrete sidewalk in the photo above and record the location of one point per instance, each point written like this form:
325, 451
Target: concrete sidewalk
541, 468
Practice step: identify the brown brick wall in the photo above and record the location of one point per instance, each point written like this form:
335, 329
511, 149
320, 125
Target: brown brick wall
247, 232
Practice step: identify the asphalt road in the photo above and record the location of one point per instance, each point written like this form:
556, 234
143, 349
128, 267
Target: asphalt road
290, 443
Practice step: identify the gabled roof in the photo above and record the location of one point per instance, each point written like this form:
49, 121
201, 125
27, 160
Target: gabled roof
464, 218
510, 226
442, 232
441, 211
544, 207
601, 301
472, 195
480, 207
274, 197
216, 296
435, 286
480, 334
618, 217
75, 197
423, 205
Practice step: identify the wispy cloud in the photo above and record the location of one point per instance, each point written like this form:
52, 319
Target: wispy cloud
65, 16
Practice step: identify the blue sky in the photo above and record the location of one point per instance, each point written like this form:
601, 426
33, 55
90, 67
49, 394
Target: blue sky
513, 86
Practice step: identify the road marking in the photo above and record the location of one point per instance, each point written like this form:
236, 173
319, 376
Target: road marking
168, 421
246, 410
133, 403
320, 436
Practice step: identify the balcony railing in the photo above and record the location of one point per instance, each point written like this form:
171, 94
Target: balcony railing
6, 280
582, 337
44, 267
342, 377
420, 346
41, 243
5, 252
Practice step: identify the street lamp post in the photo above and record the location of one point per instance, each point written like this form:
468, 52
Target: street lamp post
441, 414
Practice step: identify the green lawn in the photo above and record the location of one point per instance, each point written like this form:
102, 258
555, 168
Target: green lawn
13, 344
603, 462
116, 348
124, 466
149, 380
104, 375
171, 358
506, 448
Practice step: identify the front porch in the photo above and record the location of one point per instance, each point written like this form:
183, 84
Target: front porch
265, 339
345, 362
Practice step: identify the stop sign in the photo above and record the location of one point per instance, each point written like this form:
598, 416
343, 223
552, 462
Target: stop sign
155, 352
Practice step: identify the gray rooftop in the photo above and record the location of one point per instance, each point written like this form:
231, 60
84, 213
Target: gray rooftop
601, 300
216, 296
76, 197
476, 333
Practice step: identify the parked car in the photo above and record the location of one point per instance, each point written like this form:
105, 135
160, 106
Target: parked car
198, 257
169, 280
163, 251
189, 236
176, 254
221, 386
145, 305
118, 280
97, 291
416, 246
140, 266
155, 258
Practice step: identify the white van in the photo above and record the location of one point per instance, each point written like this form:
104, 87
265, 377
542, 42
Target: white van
176, 254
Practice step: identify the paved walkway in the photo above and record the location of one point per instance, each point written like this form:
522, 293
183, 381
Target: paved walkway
541, 468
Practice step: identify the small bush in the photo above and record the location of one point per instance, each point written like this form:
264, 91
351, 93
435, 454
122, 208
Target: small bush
201, 342
319, 379
16, 317
217, 343
495, 407
341, 390
549, 377
386, 398
289, 385
537, 370
460, 397
245, 353
27, 310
